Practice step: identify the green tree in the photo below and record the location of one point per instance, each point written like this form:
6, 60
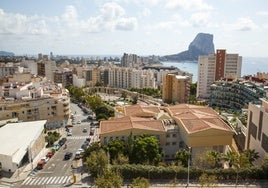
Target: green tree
51, 137
104, 111
114, 148
124, 95
252, 155
95, 146
146, 150
135, 99
182, 156
97, 162
109, 179
140, 182
93, 101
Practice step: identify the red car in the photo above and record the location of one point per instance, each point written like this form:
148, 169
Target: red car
50, 154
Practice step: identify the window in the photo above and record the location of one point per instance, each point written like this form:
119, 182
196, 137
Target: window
174, 143
174, 135
168, 135
168, 143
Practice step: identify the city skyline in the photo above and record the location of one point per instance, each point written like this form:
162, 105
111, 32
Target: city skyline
143, 27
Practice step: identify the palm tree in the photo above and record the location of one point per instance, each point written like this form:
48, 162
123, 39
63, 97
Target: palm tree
232, 158
252, 155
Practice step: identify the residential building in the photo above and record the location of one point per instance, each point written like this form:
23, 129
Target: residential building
176, 88
35, 101
64, 77
23, 142
7, 69
46, 68
237, 94
257, 129
215, 67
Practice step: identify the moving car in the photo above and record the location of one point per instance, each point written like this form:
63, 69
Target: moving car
79, 122
84, 130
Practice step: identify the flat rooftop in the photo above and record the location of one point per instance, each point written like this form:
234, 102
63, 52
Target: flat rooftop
15, 138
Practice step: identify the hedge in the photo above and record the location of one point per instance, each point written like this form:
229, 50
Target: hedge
129, 171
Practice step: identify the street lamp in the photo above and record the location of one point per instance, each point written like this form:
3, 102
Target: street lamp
188, 170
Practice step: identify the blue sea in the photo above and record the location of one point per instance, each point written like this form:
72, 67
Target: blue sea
250, 66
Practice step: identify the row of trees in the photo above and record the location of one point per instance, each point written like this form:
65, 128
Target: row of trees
110, 167
143, 150
94, 102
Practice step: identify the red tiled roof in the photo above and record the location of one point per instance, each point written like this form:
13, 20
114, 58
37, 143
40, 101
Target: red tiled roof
197, 118
126, 123
138, 110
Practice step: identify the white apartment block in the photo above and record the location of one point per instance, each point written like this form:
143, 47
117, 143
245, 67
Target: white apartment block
35, 101
215, 67
122, 77
29, 65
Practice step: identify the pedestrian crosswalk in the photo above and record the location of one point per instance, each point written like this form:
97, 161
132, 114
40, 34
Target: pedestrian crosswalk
52, 180
78, 137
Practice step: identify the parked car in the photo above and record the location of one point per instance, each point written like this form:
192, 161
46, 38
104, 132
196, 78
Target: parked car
84, 146
68, 155
84, 130
91, 132
56, 147
79, 122
62, 141
69, 134
50, 154
78, 155
45, 159
40, 165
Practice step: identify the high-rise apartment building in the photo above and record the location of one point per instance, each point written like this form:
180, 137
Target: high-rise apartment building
215, 67
176, 88
46, 69
257, 129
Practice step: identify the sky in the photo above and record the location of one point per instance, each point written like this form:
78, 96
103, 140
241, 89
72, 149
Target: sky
142, 27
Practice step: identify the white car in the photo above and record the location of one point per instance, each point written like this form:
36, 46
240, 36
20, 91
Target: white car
45, 159
79, 122
69, 134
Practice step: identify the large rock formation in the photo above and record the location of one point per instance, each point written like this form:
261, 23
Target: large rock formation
201, 45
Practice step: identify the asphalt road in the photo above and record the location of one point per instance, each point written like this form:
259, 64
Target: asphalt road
58, 171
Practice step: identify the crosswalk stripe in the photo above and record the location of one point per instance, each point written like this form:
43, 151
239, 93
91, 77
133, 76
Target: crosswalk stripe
54, 180
78, 137
63, 179
26, 180
41, 181
33, 181
51, 180
45, 180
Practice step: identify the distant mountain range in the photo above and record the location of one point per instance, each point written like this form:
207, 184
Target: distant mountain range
4, 53
201, 45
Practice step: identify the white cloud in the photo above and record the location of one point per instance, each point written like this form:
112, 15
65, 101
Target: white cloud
242, 24
126, 24
262, 13
21, 24
194, 5
200, 19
